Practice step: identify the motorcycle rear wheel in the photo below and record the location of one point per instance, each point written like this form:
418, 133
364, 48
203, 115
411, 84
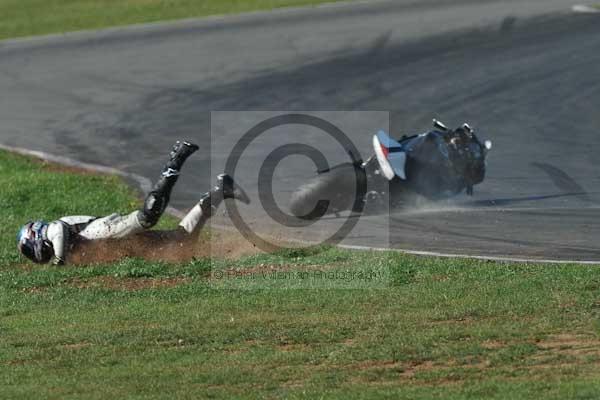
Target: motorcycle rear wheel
329, 192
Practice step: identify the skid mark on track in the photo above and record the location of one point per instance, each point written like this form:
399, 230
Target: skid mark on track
563, 181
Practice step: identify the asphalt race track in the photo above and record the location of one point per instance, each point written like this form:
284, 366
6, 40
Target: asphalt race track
526, 74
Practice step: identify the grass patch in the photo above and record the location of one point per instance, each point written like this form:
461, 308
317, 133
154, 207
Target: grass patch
36, 17
434, 328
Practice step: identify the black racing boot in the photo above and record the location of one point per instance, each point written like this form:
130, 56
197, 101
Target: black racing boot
230, 189
180, 152
226, 188
157, 200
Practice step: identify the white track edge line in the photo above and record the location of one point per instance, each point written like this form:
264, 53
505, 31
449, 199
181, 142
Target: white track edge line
188, 22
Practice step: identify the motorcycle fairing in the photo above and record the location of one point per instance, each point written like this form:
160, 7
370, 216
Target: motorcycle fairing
390, 155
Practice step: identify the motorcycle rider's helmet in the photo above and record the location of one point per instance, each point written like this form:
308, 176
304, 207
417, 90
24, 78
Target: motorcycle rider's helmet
31, 243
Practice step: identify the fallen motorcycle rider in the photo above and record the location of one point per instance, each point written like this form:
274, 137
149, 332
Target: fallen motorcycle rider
43, 242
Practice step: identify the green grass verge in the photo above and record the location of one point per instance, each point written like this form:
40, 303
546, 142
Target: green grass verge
36, 17
432, 329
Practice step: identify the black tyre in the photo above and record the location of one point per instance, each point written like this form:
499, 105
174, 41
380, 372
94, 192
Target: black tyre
329, 192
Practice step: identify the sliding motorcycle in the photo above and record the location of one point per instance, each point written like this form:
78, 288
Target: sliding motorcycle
435, 165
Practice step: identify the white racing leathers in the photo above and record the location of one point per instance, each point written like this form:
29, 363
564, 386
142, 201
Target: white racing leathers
62, 232
195, 219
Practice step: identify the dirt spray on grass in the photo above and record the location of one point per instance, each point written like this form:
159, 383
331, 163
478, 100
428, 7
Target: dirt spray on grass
170, 246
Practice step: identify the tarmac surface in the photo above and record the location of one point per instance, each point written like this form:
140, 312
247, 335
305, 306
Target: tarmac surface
525, 74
